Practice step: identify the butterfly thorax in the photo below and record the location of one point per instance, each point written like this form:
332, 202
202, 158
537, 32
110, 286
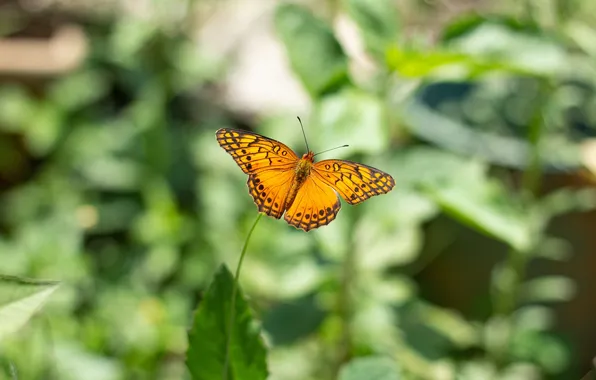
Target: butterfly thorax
303, 168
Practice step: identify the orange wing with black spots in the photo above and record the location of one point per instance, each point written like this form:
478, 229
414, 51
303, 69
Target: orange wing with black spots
270, 190
254, 153
354, 182
316, 205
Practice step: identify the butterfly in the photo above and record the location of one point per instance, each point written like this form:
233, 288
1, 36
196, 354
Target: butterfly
306, 191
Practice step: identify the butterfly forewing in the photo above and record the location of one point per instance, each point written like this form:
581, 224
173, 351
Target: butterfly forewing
254, 153
354, 182
316, 205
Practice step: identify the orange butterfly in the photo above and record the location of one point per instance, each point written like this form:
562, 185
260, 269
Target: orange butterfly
306, 191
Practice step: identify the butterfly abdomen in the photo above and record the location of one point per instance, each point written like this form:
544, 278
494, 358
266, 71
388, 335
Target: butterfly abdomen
302, 172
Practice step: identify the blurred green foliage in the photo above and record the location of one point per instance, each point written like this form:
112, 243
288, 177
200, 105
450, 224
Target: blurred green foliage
113, 184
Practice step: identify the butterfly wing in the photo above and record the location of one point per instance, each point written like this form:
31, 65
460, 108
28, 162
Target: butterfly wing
269, 190
354, 182
316, 205
255, 153
269, 164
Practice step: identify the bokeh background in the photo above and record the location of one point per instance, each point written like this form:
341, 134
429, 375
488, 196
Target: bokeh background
478, 265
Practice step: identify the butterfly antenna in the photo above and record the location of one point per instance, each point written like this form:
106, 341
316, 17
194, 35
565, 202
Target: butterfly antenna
303, 134
328, 150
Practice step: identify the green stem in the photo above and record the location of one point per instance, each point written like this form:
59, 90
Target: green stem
345, 306
233, 302
517, 260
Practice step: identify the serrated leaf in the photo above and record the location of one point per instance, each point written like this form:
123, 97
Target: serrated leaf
315, 54
370, 368
208, 336
19, 299
378, 22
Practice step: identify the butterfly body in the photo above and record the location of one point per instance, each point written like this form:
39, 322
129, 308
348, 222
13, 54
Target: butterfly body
305, 192
303, 168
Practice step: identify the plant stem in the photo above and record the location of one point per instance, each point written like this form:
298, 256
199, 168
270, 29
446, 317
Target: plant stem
345, 308
233, 301
517, 260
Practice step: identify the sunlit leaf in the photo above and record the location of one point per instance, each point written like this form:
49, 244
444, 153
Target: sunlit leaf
20, 299
208, 335
315, 55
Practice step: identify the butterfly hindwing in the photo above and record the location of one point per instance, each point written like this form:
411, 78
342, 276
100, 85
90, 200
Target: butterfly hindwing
254, 153
354, 182
316, 205
269, 190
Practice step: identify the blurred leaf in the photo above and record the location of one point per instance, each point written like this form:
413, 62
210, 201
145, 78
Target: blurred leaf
9, 369
370, 368
487, 209
430, 125
583, 35
468, 23
534, 317
378, 22
315, 55
293, 319
44, 128
350, 117
416, 64
387, 238
16, 107
520, 46
464, 191
19, 300
79, 89
549, 289
479, 45
73, 360
566, 200
128, 37
208, 335
452, 325
545, 349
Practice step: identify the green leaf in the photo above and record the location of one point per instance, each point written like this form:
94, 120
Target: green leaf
80, 89
292, 320
507, 41
19, 299
208, 336
549, 289
463, 190
351, 117
378, 22
479, 45
370, 368
315, 54
455, 136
